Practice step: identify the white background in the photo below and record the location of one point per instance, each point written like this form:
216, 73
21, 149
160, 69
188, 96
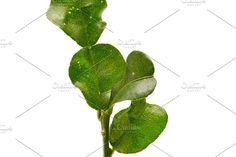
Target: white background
41, 113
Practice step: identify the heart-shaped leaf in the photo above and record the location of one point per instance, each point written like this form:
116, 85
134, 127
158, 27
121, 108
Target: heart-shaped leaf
95, 70
138, 82
80, 19
134, 128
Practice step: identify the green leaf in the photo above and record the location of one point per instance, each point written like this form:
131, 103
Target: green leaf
138, 65
138, 82
134, 128
95, 70
80, 19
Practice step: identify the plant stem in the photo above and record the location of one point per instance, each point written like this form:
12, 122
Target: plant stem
105, 120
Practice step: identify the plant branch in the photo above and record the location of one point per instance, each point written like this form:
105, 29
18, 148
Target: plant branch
105, 121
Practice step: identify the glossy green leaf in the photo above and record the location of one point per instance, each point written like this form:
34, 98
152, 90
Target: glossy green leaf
138, 82
134, 128
138, 65
80, 19
95, 70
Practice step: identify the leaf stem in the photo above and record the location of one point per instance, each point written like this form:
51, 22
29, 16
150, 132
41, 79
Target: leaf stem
105, 121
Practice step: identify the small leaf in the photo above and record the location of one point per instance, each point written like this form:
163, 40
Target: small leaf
80, 19
138, 82
134, 128
95, 70
138, 65
139, 88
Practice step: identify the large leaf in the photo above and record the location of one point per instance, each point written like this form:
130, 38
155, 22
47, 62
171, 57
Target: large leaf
138, 82
80, 19
95, 70
134, 128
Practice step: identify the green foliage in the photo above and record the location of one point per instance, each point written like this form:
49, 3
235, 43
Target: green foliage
80, 19
134, 128
104, 78
138, 82
95, 70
